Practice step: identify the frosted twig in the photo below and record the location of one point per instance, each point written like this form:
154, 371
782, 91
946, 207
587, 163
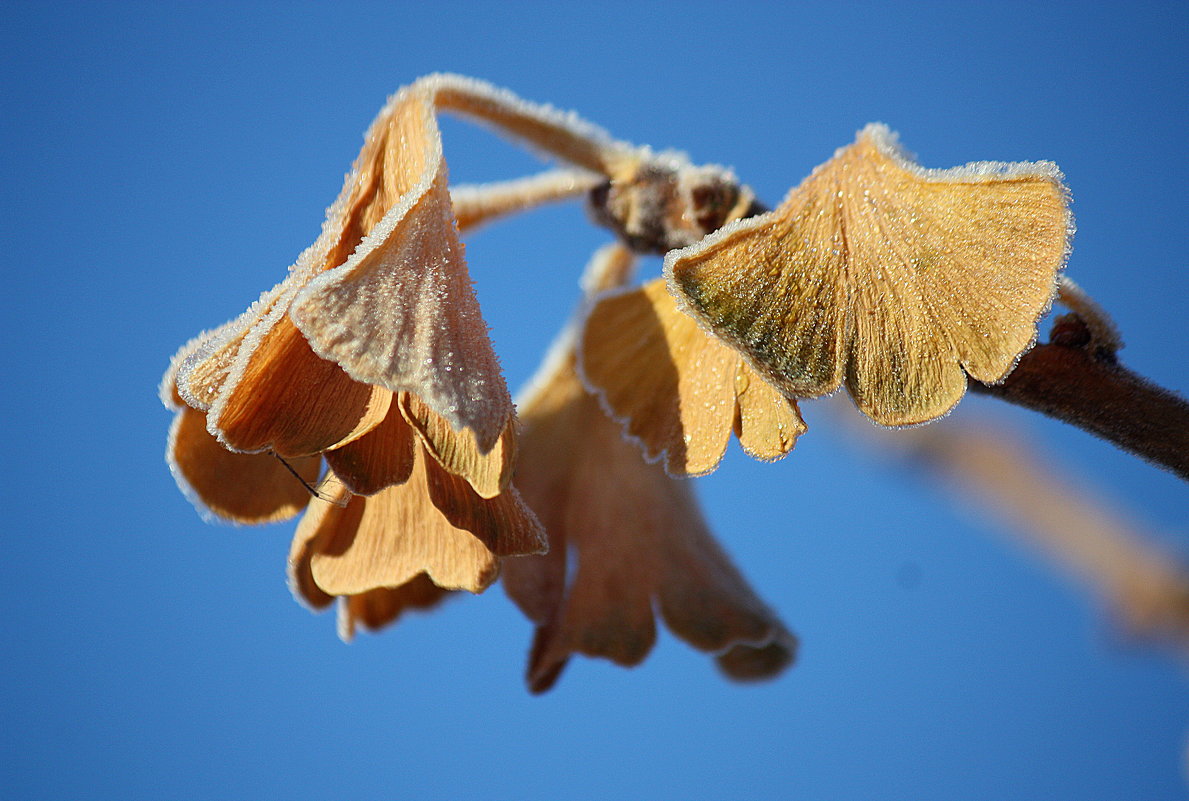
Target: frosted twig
477, 204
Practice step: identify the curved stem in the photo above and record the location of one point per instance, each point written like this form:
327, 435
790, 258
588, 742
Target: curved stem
477, 204
563, 134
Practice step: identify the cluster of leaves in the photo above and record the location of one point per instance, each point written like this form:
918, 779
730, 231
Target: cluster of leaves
363, 392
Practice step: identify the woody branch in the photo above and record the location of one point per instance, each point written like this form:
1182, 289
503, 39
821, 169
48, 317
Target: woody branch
1071, 379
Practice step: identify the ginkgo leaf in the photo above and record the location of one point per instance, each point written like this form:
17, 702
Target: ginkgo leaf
380, 458
677, 390
885, 275
400, 312
266, 388
375, 609
433, 523
639, 541
386, 539
766, 423
505, 524
458, 451
289, 401
197, 371
239, 487
262, 387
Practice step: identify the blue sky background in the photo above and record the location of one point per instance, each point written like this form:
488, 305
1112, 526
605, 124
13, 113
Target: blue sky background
164, 163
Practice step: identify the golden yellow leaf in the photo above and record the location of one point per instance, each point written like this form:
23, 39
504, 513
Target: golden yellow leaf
677, 390
887, 276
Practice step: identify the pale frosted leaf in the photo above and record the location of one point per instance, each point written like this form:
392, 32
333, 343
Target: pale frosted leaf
401, 313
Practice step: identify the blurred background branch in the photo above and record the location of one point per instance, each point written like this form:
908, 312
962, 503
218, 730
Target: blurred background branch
990, 464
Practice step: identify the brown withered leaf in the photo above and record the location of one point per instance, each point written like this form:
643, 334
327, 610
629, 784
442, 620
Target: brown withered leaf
239, 487
386, 539
264, 389
458, 452
640, 542
400, 311
389, 270
378, 608
380, 458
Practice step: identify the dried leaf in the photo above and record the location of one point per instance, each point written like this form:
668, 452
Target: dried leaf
886, 275
433, 523
400, 312
676, 389
239, 487
505, 524
389, 271
382, 607
766, 423
388, 538
380, 458
292, 402
638, 538
458, 451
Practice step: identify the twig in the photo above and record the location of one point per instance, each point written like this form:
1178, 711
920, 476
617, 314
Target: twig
1073, 380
